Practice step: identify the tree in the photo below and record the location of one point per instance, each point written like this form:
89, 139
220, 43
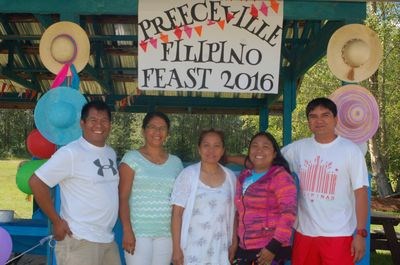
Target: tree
384, 18
15, 126
126, 132
186, 129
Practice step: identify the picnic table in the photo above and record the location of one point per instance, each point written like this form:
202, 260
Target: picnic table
386, 239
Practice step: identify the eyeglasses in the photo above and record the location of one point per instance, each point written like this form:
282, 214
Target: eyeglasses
156, 128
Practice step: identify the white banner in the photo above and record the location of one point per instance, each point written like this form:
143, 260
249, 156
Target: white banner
219, 46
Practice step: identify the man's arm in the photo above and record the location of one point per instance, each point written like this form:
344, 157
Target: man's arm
358, 245
241, 160
42, 196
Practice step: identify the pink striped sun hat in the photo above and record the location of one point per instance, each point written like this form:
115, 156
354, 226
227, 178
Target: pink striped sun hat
358, 113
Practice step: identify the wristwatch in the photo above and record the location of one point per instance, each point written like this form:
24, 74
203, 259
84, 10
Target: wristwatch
362, 232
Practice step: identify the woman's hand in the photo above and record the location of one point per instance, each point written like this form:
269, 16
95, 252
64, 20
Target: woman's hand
265, 256
177, 256
232, 251
129, 241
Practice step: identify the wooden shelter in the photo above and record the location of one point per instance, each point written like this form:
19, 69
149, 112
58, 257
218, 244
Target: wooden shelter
111, 73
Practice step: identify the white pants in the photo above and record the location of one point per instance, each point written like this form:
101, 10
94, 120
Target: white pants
150, 251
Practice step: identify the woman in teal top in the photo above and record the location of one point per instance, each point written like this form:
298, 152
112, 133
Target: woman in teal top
147, 176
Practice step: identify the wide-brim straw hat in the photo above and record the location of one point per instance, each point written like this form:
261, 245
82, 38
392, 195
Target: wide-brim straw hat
354, 53
358, 113
64, 43
57, 115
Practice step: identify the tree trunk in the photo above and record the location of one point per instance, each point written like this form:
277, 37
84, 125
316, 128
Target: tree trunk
378, 142
378, 170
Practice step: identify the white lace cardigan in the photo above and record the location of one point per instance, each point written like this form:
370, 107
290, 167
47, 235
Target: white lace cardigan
184, 194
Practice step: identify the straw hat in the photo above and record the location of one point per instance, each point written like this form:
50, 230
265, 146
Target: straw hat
57, 115
358, 113
64, 42
354, 53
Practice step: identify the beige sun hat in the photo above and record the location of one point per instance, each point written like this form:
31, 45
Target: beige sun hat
354, 53
64, 42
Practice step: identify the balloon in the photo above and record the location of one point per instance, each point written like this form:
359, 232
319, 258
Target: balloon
38, 146
25, 172
5, 245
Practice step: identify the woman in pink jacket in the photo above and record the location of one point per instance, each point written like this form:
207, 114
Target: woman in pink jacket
266, 204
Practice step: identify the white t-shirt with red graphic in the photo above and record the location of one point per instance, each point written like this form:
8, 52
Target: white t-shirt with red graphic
88, 179
328, 174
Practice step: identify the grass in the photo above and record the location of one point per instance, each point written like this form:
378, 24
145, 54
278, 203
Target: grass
381, 257
11, 197
379, 227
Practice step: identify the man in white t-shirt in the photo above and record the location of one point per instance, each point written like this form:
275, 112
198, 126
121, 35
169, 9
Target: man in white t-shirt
86, 171
333, 196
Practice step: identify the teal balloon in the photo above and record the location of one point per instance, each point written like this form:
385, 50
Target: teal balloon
25, 172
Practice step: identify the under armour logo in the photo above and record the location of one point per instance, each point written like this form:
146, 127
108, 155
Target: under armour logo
102, 167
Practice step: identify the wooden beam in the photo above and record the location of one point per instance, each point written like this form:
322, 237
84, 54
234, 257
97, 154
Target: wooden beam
350, 11
9, 74
293, 9
168, 104
99, 7
34, 49
315, 49
45, 75
17, 105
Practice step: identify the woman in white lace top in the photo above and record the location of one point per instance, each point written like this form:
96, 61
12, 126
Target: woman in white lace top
203, 211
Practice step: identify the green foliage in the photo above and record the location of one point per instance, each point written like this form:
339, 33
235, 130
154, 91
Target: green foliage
318, 82
126, 132
15, 126
384, 18
381, 257
186, 128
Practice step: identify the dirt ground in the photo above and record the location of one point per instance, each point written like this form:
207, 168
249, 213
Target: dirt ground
385, 204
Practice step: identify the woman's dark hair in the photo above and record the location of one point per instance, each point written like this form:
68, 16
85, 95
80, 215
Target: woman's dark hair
151, 115
95, 104
279, 160
212, 130
220, 134
321, 102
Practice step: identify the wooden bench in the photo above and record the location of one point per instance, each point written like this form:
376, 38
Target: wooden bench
386, 239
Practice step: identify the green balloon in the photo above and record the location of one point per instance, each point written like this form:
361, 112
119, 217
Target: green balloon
25, 172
